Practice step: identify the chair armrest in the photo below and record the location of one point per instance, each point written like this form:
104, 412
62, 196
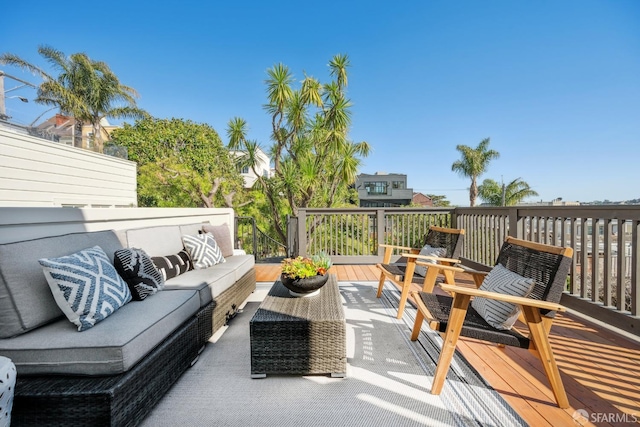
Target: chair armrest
239, 252
440, 266
545, 305
418, 256
406, 248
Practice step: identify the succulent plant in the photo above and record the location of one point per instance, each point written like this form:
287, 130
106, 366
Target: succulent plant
302, 267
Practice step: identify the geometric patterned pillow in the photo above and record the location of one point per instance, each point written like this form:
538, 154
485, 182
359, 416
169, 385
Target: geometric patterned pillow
500, 314
203, 250
86, 286
429, 251
137, 269
173, 265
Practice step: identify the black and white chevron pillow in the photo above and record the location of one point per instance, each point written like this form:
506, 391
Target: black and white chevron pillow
203, 250
500, 314
139, 271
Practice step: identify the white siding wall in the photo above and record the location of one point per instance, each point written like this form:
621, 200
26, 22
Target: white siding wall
36, 172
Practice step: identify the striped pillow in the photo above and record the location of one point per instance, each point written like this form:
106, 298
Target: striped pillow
500, 314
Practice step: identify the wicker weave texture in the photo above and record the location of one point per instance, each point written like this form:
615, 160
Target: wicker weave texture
119, 400
306, 335
227, 303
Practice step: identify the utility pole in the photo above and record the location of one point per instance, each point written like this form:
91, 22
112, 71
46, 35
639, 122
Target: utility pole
3, 109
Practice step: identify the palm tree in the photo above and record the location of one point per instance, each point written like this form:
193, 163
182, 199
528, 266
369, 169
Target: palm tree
474, 163
84, 89
505, 195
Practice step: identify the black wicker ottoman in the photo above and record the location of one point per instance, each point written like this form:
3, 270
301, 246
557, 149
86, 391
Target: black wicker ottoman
307, 335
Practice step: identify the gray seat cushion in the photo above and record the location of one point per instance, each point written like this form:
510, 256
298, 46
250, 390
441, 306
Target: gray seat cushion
240, 264
111, 347
217, 280
26, 301
218, 277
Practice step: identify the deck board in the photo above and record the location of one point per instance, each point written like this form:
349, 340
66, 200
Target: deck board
599, 367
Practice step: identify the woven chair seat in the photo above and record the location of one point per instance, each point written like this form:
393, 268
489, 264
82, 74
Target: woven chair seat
474, 325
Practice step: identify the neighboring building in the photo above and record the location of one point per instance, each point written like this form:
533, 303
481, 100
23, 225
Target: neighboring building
62, 129
263, 167
554, 202
38, 172
383, 190
422, 200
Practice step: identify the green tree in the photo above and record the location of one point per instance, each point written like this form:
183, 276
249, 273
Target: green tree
439, 201
180, 163
511, 194
314, 161
474, 162
84, 89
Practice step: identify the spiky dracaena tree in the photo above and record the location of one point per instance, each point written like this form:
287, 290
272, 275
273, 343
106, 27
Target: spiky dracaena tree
84, 89
474, 162
314, 160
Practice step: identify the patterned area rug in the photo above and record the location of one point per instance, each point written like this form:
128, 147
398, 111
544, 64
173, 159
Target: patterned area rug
387, 384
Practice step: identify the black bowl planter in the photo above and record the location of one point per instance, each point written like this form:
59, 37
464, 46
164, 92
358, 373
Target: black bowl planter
307, 287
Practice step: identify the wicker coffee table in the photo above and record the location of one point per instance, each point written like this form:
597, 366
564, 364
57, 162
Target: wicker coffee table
301, 336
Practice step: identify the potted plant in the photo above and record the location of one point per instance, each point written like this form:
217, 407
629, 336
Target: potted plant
304, 276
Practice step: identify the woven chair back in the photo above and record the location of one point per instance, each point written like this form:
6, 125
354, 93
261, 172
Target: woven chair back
449, 238
549, 269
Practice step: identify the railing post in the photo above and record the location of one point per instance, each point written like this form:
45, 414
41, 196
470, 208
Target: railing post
255, 237
235, 232
635, 262
380, 231
454, 219
302, 232
515, 224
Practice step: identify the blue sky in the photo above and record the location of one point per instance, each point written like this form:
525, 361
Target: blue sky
554, 84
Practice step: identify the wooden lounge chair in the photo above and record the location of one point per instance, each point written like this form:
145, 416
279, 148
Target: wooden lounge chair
403, 272
454, 316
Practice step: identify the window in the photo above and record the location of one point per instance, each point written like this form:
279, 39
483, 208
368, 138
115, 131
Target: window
376, 187
398, 185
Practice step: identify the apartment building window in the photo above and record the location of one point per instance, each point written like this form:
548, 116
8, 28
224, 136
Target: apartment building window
398, 185
376, 187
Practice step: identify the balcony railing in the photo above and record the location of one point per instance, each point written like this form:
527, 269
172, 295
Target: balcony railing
606, 240
254, 241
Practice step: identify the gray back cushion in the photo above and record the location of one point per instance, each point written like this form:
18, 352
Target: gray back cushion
26, 301
160, 240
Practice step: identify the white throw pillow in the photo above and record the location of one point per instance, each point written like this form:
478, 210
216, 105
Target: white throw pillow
203, 250
500, 314
429, 251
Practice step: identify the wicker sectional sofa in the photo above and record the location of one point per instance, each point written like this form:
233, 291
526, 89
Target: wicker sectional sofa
114, 372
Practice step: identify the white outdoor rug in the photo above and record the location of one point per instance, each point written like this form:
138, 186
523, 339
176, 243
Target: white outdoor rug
387, 384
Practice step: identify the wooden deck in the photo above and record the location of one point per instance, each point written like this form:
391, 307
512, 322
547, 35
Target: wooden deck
600, 368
